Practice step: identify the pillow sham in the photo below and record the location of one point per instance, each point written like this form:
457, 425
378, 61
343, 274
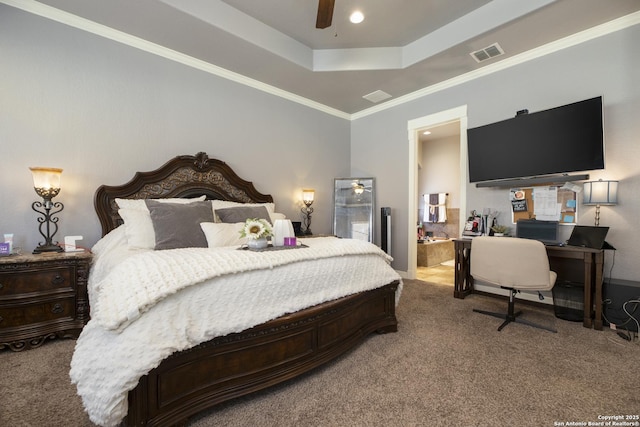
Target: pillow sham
242, 213
177, 225
223, 234
137, 221
141, 205
138, 228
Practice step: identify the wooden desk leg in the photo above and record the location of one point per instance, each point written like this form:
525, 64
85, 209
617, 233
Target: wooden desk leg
463, 283
588, 305
597, 320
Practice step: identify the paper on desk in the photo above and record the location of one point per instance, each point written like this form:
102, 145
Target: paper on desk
545, 203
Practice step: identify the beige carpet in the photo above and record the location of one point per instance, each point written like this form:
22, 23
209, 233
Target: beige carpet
446, 366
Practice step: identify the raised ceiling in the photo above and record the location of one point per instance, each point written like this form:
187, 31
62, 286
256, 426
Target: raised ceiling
401, 47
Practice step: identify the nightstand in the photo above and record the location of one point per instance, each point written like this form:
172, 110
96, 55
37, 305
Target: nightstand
42, 296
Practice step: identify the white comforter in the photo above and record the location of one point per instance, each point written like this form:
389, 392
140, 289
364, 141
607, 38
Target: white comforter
147, 305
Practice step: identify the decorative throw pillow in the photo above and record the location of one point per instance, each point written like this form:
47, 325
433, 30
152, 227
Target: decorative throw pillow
137, 221
223, 234
178, 225
222, 204
242, 213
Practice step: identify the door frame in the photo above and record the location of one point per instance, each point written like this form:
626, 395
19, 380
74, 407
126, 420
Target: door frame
413, 127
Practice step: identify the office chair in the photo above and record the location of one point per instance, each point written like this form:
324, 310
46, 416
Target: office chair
514, 264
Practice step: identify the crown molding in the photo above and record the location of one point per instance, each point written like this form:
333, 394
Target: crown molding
71, 20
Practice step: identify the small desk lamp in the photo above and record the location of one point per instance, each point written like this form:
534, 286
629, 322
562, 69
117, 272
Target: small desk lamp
307, 199
600, 193
46, 182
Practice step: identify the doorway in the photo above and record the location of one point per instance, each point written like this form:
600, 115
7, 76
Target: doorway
415, 127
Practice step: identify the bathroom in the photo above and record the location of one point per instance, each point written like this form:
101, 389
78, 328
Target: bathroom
438, 184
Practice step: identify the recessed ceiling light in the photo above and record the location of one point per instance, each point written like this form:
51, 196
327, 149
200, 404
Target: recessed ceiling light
356, 17
426, 132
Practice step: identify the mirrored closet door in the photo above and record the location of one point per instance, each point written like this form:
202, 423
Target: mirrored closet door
354, 205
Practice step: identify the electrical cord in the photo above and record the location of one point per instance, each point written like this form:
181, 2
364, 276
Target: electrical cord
613, 262
624, 307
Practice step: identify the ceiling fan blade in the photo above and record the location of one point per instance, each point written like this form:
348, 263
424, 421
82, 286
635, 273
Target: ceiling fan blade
325, 13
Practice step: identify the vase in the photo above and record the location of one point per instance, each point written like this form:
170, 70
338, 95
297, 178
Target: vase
260, 243
282, 228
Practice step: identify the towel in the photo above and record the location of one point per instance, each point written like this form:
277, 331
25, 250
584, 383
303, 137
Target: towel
435, 207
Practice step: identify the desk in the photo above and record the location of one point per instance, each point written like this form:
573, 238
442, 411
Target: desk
573, 263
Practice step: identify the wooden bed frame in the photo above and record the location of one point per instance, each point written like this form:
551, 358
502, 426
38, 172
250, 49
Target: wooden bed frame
193, 380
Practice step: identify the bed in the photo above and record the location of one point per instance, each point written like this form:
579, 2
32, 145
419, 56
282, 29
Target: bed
213, 367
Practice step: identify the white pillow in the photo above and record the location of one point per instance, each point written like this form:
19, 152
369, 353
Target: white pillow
138, 226
223, 234
276, 215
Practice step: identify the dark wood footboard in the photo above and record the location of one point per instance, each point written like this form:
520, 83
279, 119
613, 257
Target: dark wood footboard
191, 381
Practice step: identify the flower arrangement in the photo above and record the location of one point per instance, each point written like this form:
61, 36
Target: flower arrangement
256, 229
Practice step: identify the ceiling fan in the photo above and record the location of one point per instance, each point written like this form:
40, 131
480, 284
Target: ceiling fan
325, 13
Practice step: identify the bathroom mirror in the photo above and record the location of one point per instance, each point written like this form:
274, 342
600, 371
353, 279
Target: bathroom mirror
353, 211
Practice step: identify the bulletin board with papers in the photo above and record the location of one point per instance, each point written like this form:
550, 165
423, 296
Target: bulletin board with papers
547, 203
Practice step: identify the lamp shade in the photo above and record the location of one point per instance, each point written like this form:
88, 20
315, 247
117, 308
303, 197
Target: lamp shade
46, 178
46, 181
307, 196
600, 193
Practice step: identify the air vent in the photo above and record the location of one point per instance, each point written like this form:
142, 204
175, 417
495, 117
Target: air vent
487, 53
377, 96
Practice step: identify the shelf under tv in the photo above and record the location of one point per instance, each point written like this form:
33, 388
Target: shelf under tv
536, 180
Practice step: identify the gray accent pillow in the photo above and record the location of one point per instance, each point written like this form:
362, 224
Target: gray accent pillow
178, 225
242, 213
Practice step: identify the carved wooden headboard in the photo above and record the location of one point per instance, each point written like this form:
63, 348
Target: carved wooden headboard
183, 176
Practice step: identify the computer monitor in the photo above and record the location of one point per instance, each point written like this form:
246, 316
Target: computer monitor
545, 231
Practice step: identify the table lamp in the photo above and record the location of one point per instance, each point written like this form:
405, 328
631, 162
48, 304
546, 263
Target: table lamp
46, 182
307, 199
600, 193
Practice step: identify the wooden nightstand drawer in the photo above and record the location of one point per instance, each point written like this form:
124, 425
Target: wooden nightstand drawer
42, 296
29, 281
28, 314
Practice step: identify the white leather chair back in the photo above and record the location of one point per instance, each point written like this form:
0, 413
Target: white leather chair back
511, 262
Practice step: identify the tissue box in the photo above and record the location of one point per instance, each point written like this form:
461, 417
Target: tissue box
5, 249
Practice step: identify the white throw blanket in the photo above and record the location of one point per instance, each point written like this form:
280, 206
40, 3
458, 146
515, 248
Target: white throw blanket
146, 278
128, 335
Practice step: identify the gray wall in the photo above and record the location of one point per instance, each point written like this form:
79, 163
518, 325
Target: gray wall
102, 111
606, 66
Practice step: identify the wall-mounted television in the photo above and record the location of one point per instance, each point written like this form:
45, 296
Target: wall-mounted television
555, 141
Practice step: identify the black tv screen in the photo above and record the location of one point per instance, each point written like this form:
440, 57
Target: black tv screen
559, 140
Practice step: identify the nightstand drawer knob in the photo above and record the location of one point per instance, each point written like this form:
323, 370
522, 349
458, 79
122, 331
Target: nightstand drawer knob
1, 286
57, 309
58, 280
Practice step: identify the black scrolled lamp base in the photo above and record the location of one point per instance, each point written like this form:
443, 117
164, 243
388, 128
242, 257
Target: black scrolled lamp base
48, 221
307, 211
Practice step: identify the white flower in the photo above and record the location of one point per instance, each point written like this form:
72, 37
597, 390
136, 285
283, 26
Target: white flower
255, 228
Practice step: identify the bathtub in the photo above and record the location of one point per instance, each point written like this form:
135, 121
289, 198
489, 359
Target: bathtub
434, 252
